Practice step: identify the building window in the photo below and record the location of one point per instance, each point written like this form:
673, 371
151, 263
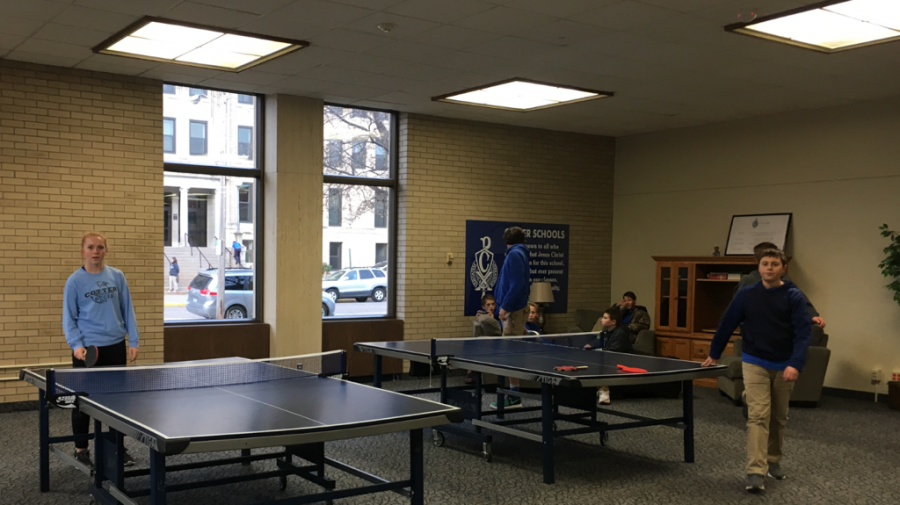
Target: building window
334, 154
381, 161
380, 208
334, 255
245, 99
245, 141
358, 155
168, 89
334, 207
197, 93
168, 135
380, 254
245, 203
198, 137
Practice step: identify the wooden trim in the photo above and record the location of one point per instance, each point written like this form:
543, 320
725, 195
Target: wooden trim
207, 341
341, 335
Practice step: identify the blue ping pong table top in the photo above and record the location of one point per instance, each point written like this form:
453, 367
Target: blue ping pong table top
530, 358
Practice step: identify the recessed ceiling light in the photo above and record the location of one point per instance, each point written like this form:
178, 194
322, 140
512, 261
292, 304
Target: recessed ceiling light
830, 26
521, 95
169, 41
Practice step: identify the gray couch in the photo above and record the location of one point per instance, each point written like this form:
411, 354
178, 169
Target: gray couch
585, 319
807, 389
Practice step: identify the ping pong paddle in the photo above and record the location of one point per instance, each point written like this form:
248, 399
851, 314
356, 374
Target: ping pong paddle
630, 369
91, 355
569, 368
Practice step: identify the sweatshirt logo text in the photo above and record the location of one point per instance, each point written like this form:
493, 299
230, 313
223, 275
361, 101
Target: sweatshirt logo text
104, 292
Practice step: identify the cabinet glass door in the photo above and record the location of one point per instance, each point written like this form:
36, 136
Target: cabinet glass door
665, 292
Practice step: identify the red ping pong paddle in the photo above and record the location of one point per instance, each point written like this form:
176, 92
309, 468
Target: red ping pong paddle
569, 368
91, 355
630, 369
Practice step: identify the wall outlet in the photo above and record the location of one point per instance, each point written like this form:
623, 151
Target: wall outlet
876, 376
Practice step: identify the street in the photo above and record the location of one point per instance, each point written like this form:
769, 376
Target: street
175, 311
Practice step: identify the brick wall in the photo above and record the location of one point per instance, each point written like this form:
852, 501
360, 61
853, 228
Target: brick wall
453, 170
79, 151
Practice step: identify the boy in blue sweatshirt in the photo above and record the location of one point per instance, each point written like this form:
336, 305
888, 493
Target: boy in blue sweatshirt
97, 311
512, 291
776, 334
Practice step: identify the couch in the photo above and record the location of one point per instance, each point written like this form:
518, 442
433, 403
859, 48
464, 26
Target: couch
585, 319
807, 389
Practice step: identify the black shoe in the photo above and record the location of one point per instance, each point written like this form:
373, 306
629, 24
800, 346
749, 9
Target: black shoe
84, 457
129, 461
755, 483
776, 472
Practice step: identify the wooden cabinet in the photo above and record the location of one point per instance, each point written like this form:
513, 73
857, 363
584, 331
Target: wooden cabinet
689, 304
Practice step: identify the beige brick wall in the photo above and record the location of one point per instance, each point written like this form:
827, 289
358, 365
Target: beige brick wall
453, 170
79, 151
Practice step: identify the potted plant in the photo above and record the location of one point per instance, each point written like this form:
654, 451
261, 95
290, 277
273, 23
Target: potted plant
890, 268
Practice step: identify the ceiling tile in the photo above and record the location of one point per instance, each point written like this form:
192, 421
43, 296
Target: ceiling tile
94, 19
355, 92
304, 84
36, 46
32, 9
23, 27
348, 40
625, 15
687, 5
302, 60
439, 11
304, 19
251, 76
562, 33
254, 7
369, 63
45, 59
403, 26
116, 65
422, 72
562, 8
211, 15
453, 37
7, 42
177, 74
505, 20
461, 60
408, 51
71, 35
132, 8
336, 75
511, 47
229, 85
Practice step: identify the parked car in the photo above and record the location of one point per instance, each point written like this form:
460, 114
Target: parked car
202, 295
358, 283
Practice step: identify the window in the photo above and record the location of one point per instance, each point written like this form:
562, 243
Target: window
245, 99
358, 155
168, 135
198, 138
168, 89
334, 207
359, 181
245, 201
380, 208
197, 202
334, 153
334, 255
245, 141
351, 276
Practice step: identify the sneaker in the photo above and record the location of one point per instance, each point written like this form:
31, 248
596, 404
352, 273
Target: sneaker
84, 457
509, 402
776, 472
603, 396
755, 483
129, 461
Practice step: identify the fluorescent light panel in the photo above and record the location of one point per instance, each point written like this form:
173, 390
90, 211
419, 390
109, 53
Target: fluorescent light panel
167, 41
830, 26
521, 95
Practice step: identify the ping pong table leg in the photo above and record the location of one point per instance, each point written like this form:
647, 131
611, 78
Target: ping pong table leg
157, 477
376, 379
687, 393
547, 431
44, 440
416, 467
99, 455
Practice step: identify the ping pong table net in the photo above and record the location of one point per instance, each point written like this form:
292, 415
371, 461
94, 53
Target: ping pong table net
508, 345
65, 385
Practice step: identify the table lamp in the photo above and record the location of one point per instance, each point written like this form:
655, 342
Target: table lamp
542, 295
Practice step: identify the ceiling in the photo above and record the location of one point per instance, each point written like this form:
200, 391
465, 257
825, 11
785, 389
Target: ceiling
669, 62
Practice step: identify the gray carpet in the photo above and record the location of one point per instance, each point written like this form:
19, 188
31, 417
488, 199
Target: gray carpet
844, 452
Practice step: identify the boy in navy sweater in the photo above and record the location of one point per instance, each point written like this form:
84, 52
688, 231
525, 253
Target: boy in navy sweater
776, 334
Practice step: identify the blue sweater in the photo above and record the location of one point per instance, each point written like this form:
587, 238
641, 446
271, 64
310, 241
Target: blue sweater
97, 309
776, 325
514, 286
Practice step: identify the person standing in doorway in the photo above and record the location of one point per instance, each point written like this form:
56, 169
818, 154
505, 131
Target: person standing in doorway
174, 270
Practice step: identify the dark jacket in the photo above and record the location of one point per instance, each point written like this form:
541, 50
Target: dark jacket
754, 277
514, 286
776, 324
529, 326
618, 339
640, 320
174, 269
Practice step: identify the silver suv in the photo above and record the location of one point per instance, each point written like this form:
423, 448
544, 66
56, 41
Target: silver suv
202, 293
358, 283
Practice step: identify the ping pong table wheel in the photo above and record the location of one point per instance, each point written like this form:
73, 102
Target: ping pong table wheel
437, 438
486, 452
282, 482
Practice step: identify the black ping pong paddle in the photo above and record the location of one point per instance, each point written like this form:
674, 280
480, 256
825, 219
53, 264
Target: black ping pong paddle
91, 355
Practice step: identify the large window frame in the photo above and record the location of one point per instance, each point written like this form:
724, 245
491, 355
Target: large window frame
389, 183
255, 202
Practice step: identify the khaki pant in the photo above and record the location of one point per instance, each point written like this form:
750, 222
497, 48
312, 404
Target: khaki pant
173, 283
515, 322
766, 395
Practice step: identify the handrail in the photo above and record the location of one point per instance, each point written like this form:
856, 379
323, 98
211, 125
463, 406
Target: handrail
187, 240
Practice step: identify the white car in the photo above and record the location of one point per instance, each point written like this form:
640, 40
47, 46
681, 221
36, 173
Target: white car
358, 283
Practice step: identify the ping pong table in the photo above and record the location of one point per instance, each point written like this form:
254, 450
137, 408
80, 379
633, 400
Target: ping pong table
533, 358
296, 403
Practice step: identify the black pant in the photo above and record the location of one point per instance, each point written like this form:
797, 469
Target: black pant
110, 355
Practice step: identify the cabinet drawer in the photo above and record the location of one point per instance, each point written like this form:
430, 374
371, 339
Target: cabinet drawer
700, 350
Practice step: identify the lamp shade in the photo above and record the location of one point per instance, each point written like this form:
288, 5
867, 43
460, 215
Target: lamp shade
541, 292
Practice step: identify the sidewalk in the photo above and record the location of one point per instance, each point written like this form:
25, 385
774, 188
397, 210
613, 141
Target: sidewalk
178, 299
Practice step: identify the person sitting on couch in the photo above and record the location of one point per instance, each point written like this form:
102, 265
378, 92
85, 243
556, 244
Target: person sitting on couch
614, 337
634, 317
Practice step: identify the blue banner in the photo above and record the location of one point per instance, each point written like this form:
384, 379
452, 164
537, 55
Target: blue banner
548, 245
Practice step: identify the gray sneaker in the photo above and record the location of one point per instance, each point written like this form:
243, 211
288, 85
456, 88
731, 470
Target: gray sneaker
755, 483
776, 472
84, 457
